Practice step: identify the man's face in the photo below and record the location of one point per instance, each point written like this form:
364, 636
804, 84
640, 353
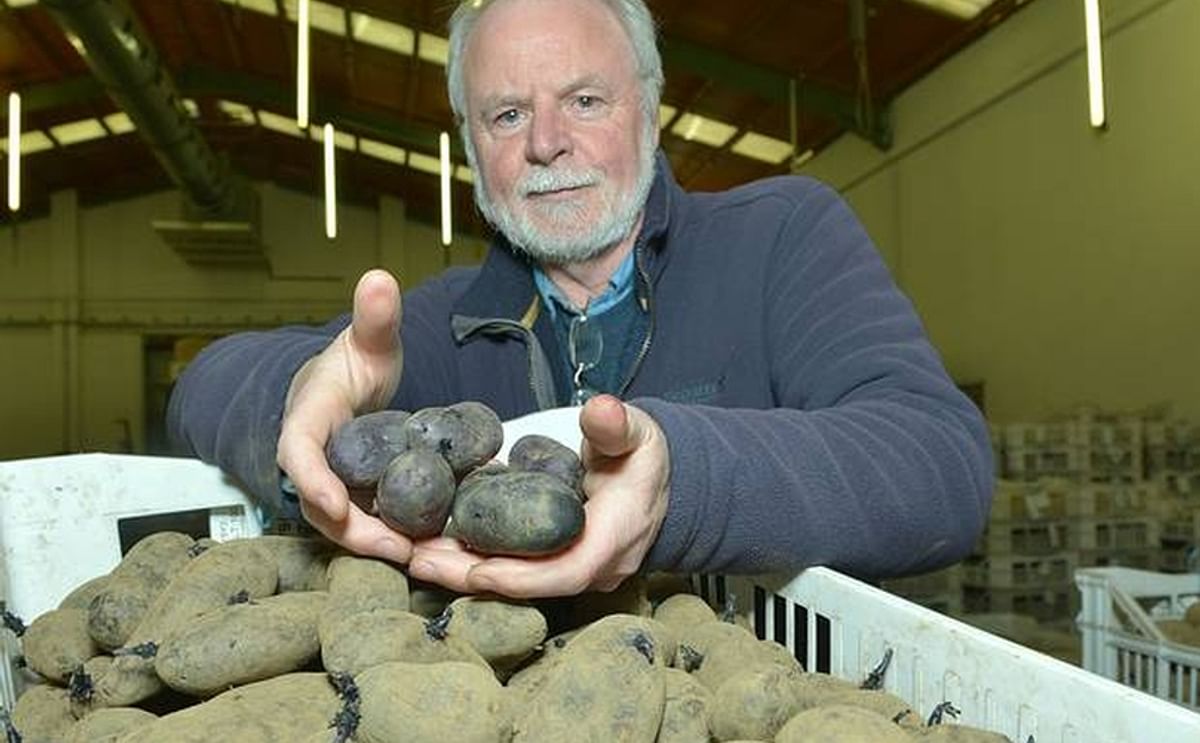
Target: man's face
564, 156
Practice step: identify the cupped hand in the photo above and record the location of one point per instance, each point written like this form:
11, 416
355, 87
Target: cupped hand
627, 473
358, 372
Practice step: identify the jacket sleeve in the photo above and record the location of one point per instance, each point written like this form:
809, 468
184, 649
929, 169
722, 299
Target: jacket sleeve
227, 406
873, 462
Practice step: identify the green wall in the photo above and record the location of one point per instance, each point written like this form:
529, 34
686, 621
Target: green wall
1058, 264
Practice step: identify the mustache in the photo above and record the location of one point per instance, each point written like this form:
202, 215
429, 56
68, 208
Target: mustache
544, 180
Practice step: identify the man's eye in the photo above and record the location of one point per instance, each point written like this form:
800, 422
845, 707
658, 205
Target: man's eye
508, 117
587, 102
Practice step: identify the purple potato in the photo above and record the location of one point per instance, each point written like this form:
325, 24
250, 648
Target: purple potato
467, 434
516, 513
415, 494
536, 453
361, 449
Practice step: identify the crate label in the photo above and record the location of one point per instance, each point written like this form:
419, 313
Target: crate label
227, 523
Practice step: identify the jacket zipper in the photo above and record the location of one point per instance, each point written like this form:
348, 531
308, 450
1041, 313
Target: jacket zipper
637, 362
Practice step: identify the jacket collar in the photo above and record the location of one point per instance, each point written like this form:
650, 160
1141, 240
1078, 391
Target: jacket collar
504, 286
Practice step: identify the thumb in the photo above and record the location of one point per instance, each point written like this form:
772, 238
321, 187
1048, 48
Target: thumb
376, 322
611, 427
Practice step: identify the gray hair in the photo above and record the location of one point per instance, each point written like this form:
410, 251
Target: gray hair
634, 17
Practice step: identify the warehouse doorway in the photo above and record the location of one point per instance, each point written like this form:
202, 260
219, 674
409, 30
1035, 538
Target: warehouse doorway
165, 357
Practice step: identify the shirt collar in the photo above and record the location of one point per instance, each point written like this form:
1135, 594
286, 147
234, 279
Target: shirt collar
619, 286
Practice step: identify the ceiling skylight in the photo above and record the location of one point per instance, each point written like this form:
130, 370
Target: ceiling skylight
696, 128
761, 147
78, 131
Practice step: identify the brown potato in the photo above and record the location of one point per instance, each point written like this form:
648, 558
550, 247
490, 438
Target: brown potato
628, 598
841, 724
58, 643
952, 733
43, 714
517, 513
303, 561
754, 702
727, 648
881, 702
684, 610
81, 596
608, 687
134, 584
364, 639
685, 709
1192, 614
360, 449
242, 643
502, 631
241, 567
433, 703
284, 708
359, 584
108, 725
816, 689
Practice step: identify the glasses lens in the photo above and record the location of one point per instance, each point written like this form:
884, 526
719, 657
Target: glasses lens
586, 343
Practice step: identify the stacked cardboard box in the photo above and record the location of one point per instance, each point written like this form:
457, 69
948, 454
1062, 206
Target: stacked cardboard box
1090, 490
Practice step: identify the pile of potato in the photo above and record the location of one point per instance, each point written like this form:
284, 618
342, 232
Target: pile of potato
1184, 631
281, 638
431, 472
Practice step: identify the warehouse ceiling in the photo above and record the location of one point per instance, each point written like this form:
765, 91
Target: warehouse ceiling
743, 80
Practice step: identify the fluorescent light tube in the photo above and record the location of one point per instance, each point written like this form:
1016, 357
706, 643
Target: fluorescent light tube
447, 171
14, 151
302, 65
330, 185
1095, 63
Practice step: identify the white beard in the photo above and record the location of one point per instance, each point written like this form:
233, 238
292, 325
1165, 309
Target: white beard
570, 238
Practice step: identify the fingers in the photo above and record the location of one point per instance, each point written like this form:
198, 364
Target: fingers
301, 455
448, 563
360, 533
610, 427
377, 311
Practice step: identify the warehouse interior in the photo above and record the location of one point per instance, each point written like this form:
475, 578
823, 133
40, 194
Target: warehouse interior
1050, 249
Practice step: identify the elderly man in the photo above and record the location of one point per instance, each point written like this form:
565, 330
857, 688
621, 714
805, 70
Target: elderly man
758, 395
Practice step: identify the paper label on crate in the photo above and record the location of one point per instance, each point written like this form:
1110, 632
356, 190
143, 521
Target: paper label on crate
227, 523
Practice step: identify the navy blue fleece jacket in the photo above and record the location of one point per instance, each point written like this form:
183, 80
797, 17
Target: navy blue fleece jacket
809, 419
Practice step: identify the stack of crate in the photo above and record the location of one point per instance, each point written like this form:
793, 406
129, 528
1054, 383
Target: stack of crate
1173, 464
1026, 559
1087, 448
1090, 490
940, 590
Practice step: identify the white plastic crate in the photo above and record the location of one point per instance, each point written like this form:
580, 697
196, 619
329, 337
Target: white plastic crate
833, 623
60, 519
1118, 611
837, 625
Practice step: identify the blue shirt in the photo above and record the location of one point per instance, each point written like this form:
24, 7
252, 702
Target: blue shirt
617, 318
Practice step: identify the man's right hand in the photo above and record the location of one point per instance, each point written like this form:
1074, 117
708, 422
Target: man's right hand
358, 372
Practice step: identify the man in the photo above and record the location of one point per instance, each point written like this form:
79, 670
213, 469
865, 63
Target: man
784, 407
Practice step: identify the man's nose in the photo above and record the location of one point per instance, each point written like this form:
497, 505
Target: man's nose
549, 137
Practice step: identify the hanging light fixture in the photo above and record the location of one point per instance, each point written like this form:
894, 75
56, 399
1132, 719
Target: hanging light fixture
302, 28
447, 171
1095, 63
14, 151
330, 185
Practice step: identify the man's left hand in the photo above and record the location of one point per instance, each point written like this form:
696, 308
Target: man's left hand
627, 471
